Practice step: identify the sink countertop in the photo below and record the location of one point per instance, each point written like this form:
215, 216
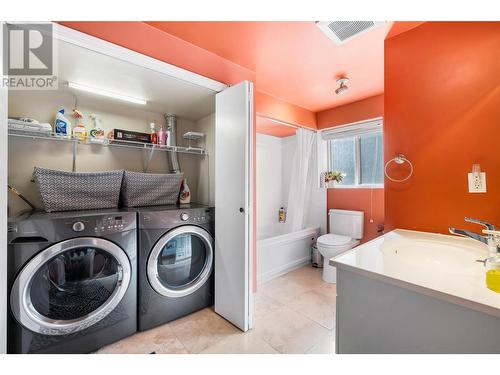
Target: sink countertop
437, 265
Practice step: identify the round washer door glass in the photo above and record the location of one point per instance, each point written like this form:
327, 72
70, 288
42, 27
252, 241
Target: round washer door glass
70, 286
181, 261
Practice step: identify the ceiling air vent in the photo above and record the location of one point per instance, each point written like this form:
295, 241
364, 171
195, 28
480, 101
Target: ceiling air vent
342, 31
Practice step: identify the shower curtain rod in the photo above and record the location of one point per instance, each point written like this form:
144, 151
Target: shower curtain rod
290, 125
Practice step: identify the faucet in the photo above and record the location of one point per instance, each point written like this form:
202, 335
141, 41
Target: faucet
490, 239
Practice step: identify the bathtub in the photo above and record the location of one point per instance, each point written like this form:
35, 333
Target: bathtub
283, 252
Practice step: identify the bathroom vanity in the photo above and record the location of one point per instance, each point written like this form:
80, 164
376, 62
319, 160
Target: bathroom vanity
415, 292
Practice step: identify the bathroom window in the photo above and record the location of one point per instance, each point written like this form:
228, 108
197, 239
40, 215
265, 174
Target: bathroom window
358, 152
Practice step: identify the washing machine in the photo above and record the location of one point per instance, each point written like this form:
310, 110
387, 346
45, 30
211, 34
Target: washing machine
72, 281
176, 262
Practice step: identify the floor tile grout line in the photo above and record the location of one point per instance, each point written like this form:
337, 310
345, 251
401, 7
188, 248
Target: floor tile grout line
219, 339
182, 343
307, 318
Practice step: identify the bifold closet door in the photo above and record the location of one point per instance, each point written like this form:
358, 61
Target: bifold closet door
233, 204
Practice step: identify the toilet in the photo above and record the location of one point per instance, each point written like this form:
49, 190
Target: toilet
346, 229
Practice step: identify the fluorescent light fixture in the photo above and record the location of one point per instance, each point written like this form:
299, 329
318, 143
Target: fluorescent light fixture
109, 94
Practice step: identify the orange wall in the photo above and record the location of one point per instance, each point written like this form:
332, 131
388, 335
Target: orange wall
365, 109
275, 108
442, 110
271, 127
356, 199
359, 200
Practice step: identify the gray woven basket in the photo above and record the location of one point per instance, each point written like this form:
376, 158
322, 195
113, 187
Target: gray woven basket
148, 189
67, 191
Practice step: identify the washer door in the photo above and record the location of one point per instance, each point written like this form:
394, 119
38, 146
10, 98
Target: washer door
181, 261
70, 286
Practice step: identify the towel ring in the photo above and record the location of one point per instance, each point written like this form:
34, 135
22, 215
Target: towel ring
398, 159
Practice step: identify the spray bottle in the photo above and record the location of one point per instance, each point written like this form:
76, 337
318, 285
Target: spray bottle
79, 131
97, 132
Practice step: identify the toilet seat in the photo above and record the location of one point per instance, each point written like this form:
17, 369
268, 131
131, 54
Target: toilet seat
332, 245
334, 241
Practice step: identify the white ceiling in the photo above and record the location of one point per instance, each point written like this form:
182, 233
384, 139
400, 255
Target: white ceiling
164, 94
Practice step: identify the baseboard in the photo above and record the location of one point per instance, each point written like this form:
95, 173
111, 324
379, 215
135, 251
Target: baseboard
279, 271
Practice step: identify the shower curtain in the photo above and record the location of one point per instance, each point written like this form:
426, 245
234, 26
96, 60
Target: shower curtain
302, 180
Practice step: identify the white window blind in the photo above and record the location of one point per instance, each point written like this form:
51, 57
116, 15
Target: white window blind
356, 150
353, 130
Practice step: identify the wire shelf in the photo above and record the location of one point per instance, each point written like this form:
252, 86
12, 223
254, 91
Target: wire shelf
105, 142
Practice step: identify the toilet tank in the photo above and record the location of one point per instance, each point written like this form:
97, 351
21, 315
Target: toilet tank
347, 223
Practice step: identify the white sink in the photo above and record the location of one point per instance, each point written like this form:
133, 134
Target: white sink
438, 263
434, 257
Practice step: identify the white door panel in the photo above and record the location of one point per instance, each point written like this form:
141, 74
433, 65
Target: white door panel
3, 205
233, 204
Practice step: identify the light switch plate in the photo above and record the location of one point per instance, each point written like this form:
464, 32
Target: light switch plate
479, 185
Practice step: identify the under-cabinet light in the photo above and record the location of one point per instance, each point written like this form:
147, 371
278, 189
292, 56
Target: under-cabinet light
109, 94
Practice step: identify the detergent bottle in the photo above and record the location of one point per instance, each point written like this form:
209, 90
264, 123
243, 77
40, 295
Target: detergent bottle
79, 131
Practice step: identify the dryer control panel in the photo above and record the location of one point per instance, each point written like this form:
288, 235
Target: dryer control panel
195, 217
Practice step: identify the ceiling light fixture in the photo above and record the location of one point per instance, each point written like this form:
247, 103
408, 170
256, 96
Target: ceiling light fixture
342, 82
109, 94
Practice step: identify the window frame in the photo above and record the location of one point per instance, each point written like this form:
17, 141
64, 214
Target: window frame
355, 130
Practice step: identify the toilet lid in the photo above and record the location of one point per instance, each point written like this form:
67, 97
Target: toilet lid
333, 240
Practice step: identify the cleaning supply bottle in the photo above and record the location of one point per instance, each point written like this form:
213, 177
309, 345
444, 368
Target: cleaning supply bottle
493, 273
79, 131
97, 132
282, 215
185, 194
154, 136
161, 136
62, 125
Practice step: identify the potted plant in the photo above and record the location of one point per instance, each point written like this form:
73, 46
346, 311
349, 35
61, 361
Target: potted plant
333, 177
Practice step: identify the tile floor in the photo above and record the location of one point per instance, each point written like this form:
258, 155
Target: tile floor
292, 314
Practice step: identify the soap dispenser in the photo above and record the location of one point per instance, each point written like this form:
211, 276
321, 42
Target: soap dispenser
282, 215
492, 266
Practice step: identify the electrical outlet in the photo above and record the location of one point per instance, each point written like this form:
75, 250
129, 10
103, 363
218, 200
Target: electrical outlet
477, 182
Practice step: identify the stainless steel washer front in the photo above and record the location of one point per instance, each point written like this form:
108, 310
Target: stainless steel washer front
181, 261
70, 286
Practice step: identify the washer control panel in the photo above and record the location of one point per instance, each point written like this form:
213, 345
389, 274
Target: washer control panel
109, 224
99, 225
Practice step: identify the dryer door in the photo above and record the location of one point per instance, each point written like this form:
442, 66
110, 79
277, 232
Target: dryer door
181, 261
70, 286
